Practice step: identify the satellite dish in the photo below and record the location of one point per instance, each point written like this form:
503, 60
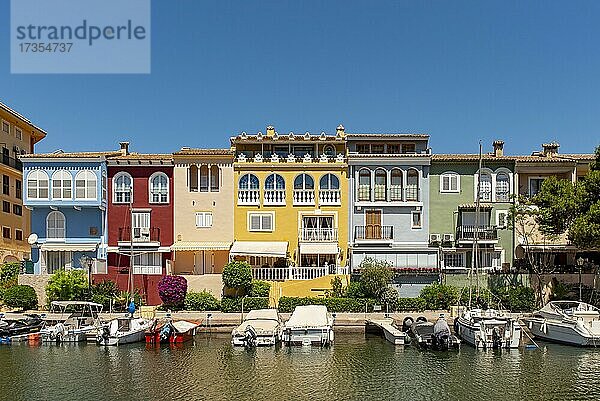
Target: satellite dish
32, 239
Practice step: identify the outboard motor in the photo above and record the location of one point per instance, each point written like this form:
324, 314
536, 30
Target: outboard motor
165, 333
251, 336
407, 324
441, 334
105, 335
496, 338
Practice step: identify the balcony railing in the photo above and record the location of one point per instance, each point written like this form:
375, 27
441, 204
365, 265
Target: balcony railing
330, 197
274, 197
248, 197
318, 234
412, 194
12, 162
151, 234
304, 197
485, 233
373, 232
295, 272
394, 194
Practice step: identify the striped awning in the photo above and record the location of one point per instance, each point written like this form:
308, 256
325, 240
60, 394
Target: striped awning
318, 248
277, 249
59, 247
201, 246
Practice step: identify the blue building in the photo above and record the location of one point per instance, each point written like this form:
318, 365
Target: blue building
67, 196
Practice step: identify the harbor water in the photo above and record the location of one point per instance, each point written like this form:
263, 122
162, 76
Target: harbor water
355, 368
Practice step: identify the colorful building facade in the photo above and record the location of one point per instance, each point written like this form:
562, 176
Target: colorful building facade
18, 136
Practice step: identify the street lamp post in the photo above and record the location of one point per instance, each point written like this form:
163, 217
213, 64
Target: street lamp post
580, 264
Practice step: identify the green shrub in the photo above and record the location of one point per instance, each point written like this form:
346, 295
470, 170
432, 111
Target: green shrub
517, 299
439, 296
260, 288
337, 288
288, 304
122, 299
104, 292
485, 299
20, 296
9, 273
411, 305
69, 285
229, 304
354, 290
375, 276
238, 276
201, 301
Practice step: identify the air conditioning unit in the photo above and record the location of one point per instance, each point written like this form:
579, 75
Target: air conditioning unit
145, 232
448, 237
433, 238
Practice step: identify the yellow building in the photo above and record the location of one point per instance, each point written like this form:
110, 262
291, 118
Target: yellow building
18, 136
291, 210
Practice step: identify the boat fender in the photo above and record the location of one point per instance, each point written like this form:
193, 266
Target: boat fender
407, 323
421, 319
456, 327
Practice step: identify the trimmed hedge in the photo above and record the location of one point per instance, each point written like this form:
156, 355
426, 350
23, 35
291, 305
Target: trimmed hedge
201, 301
229, 304
354, 305
21, 296
411, 305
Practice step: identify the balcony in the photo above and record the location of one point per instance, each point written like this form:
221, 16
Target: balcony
274, 197
394, 193
304, 197
318, 235
151, 234
374, 232
12, 162
248, 197
295, 272
330, 197
484, 233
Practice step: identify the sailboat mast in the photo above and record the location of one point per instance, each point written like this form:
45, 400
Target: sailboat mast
477, 210
131, 244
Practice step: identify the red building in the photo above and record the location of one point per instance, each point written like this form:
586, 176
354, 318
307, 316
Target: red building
140, 190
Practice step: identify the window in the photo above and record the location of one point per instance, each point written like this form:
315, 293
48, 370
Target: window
6, 206
275, 182
261, 222
147, 263
485, 187
57, 260
18, 134
318, 228
408, 148
301, 151
55, 225
329, 182
141, 226
362, 148
18, 209
159, 188
85, 185
412, 185
364, 185
470, 218
450, 182
489, 259
502, 187
5, 185
377, 148
304, 181
380, 185
104, 187
18, 189
535, 185
396, 185
62, 185
204, 178
203, 219
454, 260
5, 127
393, 148
501, 218
37, 185
215, 178
416, 221
248, 181
193, 178
18, 235
6, 232
123, 188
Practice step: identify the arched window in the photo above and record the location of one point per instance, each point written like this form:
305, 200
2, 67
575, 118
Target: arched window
37, 185
380, 184
364, 185
396, 185
485, 187
62, 184
304, 181
248, 190
204, 178
502, 187
214, 178
329, 151
159, 188
122, 188
412, 185
55, 225
329, 181
193, 178
275, 182
248, 181
85, 185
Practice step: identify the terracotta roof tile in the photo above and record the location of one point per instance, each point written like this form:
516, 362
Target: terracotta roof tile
69, 155
203, 152
384, 135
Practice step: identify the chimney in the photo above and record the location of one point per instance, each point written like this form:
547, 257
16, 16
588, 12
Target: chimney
270, 131
550, 149
339, 131
498, 148
124, 148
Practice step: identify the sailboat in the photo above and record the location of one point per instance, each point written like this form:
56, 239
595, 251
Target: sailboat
126, 329
489, 328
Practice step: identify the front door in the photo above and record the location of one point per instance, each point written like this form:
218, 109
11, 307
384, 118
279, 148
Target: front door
373, 224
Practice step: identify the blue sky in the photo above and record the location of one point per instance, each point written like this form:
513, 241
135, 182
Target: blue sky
526, 72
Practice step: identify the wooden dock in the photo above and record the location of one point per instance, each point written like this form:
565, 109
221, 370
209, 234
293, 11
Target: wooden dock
389, 330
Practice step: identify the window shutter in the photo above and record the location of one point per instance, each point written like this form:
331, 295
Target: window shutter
267, 222
255, 222
208, 220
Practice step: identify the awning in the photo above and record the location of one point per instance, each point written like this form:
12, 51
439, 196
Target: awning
68, 247
482, 206
276, 249
326, 248
200, 246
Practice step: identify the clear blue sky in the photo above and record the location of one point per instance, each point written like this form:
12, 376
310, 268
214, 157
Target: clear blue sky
523, 71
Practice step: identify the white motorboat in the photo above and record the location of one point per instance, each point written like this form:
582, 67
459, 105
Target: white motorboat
261, 327
567, 322
309, 325
82, 320
488, 329
123, 330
